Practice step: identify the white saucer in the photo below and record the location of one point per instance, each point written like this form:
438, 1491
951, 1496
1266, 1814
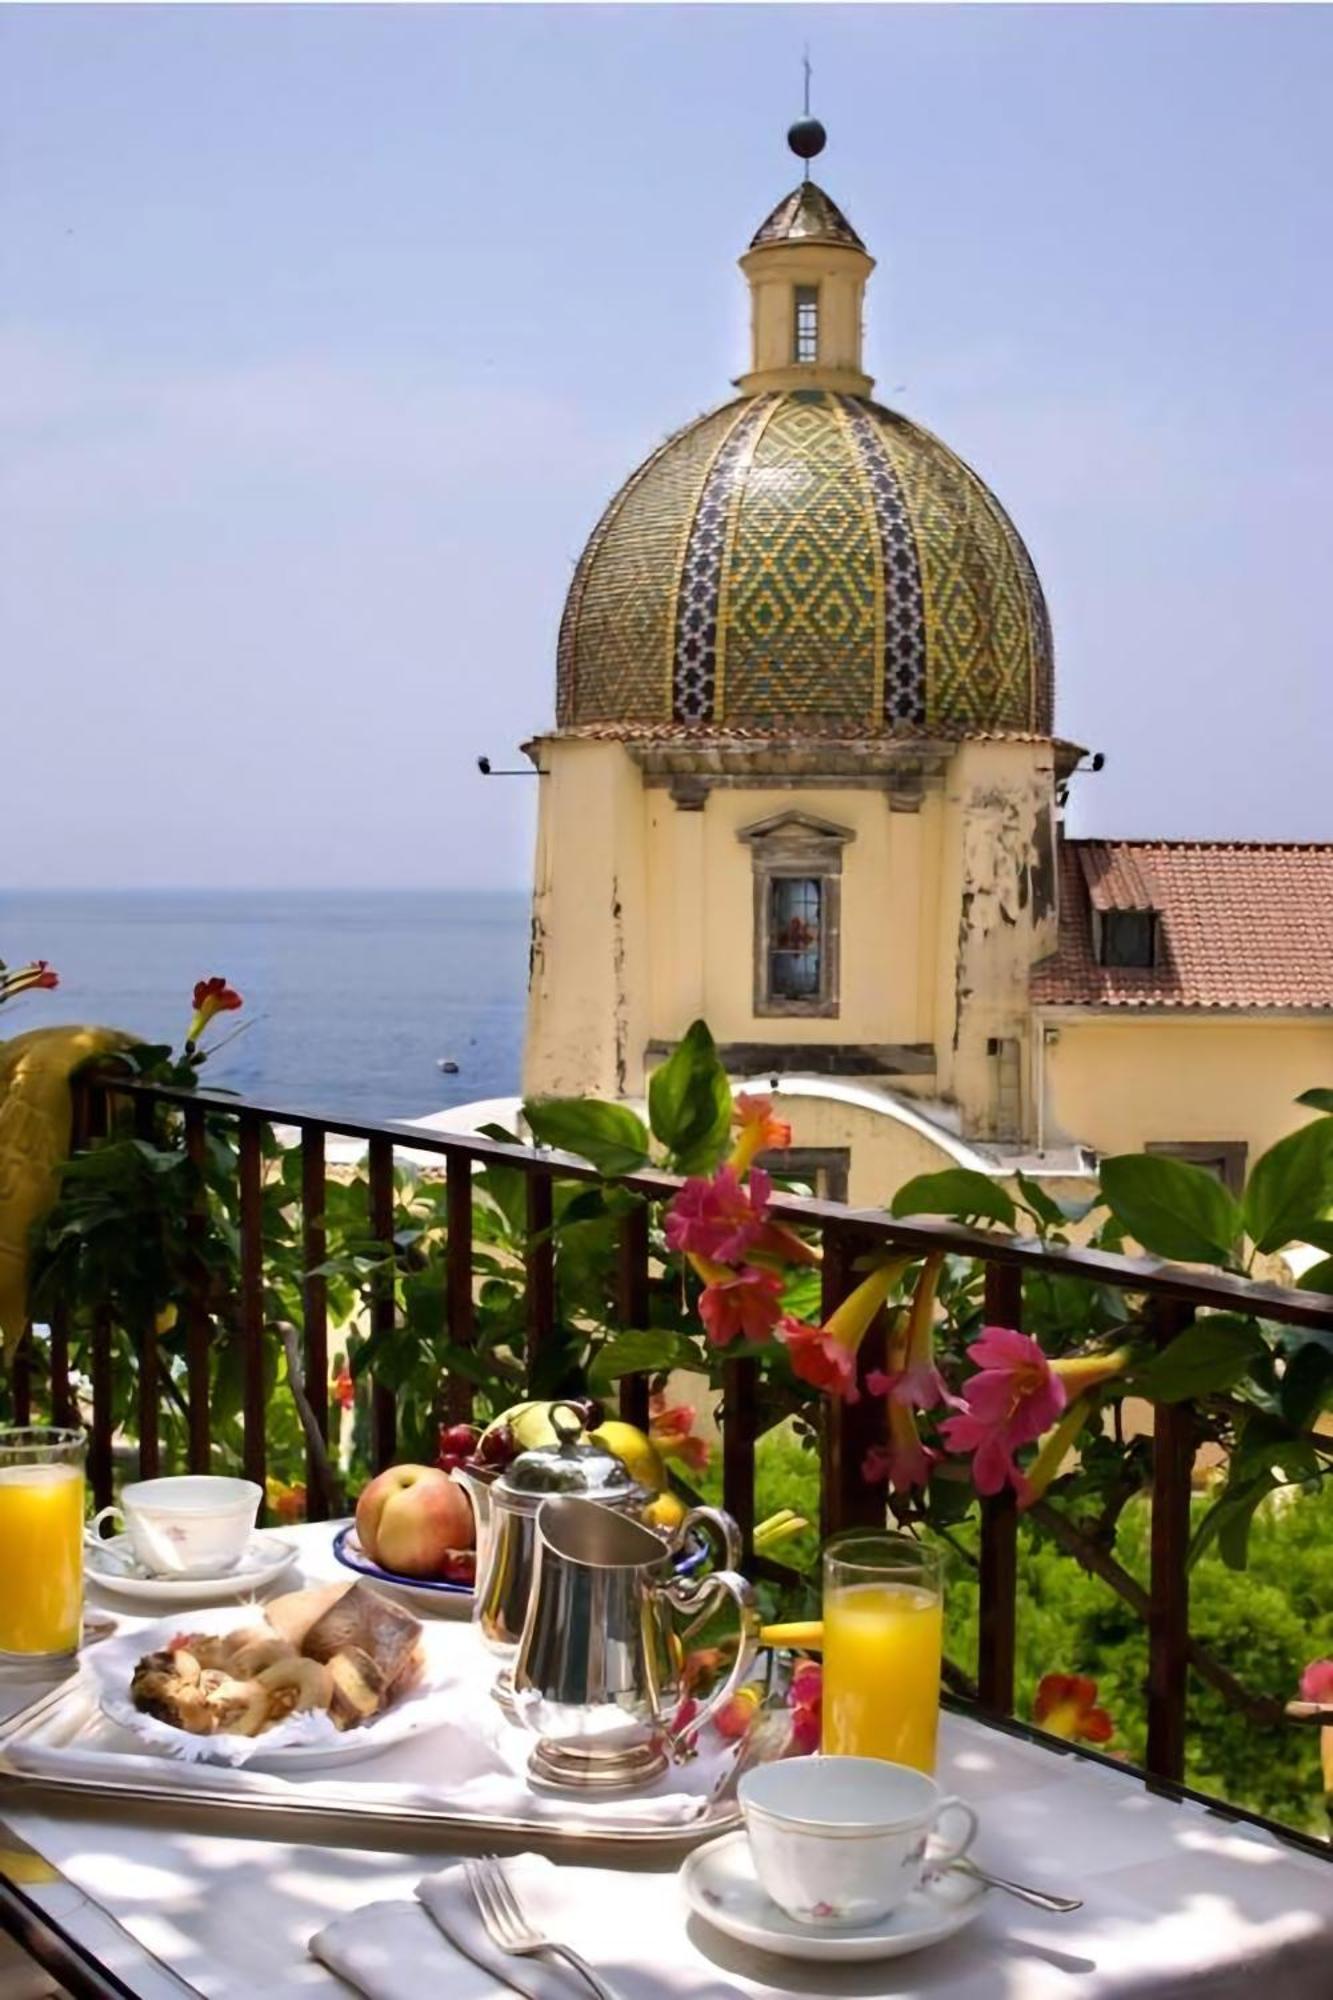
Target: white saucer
719, 1882
264, 1560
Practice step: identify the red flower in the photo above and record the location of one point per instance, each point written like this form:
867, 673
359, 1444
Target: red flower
670, 1430
1066, 1705
1317, 1681
826, 1355
211, 996
805, 1698
747, 1302
719, 1218
1009, 1402
760, 1131
344, 1389
820, 1358
34, 977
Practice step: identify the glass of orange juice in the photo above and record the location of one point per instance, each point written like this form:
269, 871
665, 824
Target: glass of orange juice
41, 1543
883, 1622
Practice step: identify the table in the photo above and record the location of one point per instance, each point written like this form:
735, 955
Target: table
1179, 1901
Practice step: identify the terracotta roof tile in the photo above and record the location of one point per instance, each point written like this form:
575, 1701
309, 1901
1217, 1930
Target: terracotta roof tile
1240, 925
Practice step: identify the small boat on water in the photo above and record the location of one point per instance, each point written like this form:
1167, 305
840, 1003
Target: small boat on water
446, 1065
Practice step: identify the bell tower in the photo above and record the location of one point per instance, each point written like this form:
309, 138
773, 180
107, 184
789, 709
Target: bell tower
806, 268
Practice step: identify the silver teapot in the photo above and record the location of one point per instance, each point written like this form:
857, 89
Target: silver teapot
597, 1676
506, 1514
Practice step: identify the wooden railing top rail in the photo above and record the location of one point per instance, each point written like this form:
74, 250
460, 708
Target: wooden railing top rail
1217, 1290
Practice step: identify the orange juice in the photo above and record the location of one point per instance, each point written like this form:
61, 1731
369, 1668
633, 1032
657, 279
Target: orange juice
882, 1672
41, 1558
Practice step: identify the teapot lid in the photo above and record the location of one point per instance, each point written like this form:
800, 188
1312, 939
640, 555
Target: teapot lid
574, 1465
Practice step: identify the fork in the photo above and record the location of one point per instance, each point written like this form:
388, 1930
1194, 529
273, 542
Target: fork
510, 1929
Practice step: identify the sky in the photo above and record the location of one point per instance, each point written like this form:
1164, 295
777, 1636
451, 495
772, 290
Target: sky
326, 333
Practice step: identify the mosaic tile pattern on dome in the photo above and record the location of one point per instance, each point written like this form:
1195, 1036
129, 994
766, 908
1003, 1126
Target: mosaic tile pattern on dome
757, 572
904, 639
694, 673
799, 614
627, 612
978, 651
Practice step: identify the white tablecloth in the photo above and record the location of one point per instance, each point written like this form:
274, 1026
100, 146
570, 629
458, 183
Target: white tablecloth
1178, 1902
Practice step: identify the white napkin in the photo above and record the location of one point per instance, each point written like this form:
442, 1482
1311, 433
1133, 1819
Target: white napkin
398, 1951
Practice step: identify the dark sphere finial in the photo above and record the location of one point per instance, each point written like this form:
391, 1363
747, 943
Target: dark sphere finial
807, 137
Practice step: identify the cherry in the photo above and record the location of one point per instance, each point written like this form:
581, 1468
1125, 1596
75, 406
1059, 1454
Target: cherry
498, 1446
459, 1438
448, 1461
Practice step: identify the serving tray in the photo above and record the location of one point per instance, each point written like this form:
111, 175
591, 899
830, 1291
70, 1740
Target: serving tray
62, 1747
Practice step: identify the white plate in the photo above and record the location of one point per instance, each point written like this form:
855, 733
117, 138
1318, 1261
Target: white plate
302, 1743
719, 1881
263, 1562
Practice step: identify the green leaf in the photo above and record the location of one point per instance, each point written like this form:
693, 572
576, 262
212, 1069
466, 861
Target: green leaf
1317, 1100
1319, 1277
689, 1103
608, 1136
1214, 1353
1289, 1185
641, 1351
1319, 1235
1039, 1202
958, 1191
1172, 1208
1307, 1383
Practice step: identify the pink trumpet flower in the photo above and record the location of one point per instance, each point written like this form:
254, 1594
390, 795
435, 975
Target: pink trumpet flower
1014, 1396
720, 1218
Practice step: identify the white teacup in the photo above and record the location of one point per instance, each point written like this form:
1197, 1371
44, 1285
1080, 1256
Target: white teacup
196, 1525
842, 1840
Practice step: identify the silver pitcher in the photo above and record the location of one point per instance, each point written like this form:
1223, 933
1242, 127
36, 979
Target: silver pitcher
597, 1676
506, 1514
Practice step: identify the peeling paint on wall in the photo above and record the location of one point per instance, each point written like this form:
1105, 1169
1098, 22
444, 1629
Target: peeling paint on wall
618, 960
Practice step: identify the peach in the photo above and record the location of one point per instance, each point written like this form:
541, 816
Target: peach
410, 1517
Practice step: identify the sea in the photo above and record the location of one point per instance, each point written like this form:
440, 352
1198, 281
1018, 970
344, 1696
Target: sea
353, 998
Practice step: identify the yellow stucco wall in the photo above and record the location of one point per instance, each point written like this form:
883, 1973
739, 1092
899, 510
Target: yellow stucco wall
644, 917
1116, 1085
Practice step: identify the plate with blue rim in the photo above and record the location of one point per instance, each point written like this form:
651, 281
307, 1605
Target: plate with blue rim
430, 1593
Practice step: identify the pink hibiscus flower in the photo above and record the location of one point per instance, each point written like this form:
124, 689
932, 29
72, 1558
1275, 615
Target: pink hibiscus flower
746, 1303
721, 1218
1009, 1402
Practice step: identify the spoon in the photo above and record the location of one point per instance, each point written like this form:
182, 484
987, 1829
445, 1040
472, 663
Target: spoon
1041, 1899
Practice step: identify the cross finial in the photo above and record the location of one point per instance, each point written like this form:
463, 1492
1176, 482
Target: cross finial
807, 136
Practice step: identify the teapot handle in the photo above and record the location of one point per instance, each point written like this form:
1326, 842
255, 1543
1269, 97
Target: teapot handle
717, 1524
700, 1598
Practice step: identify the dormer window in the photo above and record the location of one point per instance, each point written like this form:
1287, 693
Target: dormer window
1127, 938
806, 323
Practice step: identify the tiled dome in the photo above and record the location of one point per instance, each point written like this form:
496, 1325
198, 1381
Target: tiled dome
805, 562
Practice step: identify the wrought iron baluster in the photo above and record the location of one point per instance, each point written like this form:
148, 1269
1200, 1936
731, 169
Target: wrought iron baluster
458, 1278
383, 1312
314, 1312
539, 1264
998, 1601
632, 1304
250, 1167
1168, 1565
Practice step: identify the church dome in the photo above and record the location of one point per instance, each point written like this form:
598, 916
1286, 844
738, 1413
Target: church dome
805, 562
